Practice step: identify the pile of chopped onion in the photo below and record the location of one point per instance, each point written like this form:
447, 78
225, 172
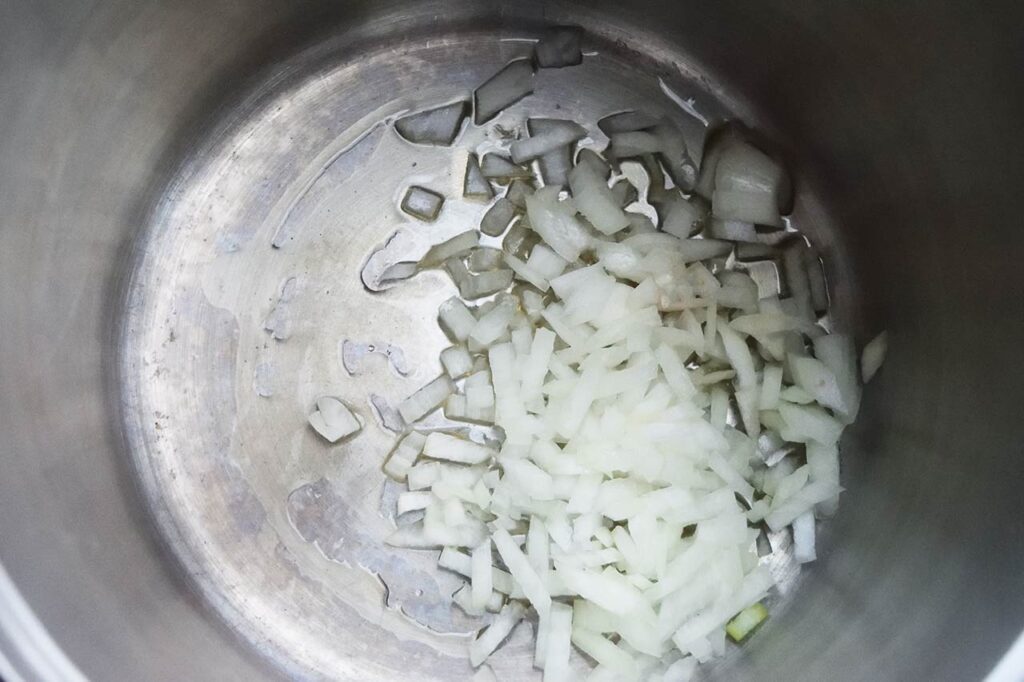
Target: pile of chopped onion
659, 409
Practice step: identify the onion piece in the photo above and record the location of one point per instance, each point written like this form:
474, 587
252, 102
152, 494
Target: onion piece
744, 168
633, 144
517, 192
594, 161
715, 144
453, 560
413, 501
484, 259
474, 184
554, 166
873, 356
404, 456
746, 621
333, 419
456, 361
426, 400
482, 575
483, 646
626, 121
683, 218
556, 223
803, 538
453, 449
422, 203
613, 594
732, 230
527, 273
755, 251
498, 217
819, 381
490, 327
546, 135
456, 246
750, 206
463, 598
624, 193
559, 633
456, 319
676, 157
437, 126
501, 169
522, 572
508, 86
595, 201
804, 500
485, 284
838, 353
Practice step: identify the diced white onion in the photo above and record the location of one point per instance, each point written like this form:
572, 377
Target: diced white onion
635, 382
873, 356
333, 420
426, 400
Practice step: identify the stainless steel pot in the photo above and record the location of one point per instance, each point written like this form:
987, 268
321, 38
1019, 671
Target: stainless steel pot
165, 515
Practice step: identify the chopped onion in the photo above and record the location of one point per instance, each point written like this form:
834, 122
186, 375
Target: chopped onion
593, 161
517, 192
558, 636
453, 449
595, 201
422, 203
500, 628
803, 538
426, 400
750, 206
626, 121
748, 619
474, 184
873, 356
456, 361
546, 135
624, 193
484, 258
837, 352
556, 223
755, 251
482, 573
456, 319
819, 382
497, 218
508, 86
438, 126
501, 169
554, 166
456, 246
333, 420
675, 156
683, 218
614, 473
628, 145
404, 456
732, 230
490, 327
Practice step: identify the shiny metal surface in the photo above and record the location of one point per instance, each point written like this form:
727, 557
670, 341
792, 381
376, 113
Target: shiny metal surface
166, 514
